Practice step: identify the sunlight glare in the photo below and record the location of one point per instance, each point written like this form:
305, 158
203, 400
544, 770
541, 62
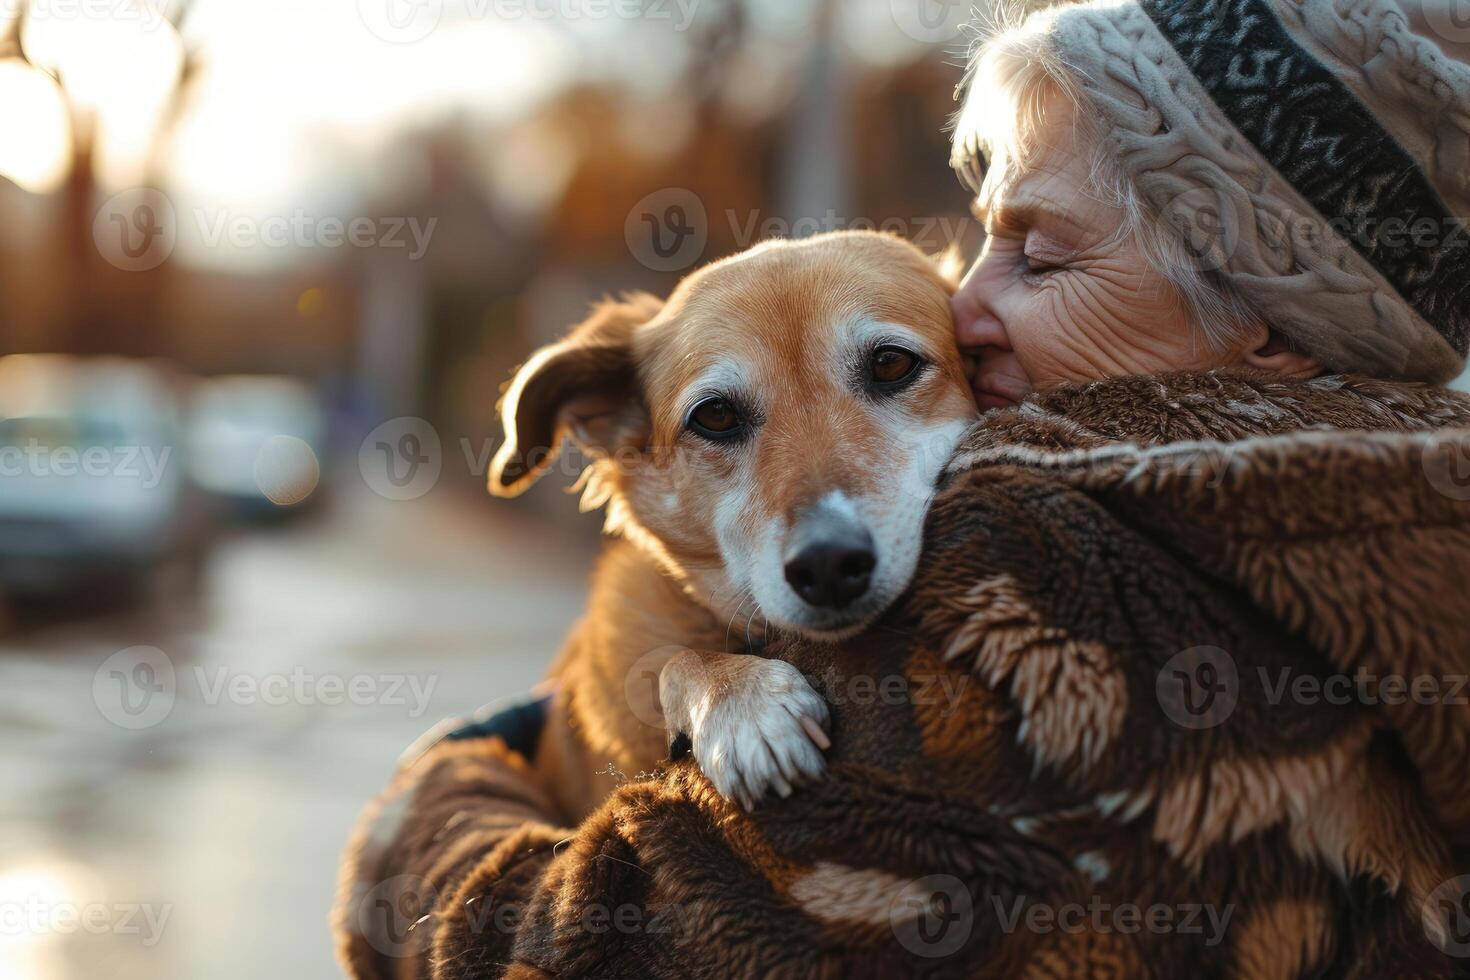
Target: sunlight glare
30, 103
120, 62
33, 892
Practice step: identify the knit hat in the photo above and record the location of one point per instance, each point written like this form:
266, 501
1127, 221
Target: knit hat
1314, 153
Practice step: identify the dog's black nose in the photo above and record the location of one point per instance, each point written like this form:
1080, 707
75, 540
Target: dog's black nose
833, 569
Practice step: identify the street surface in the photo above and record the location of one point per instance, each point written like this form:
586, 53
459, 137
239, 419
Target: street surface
179, 781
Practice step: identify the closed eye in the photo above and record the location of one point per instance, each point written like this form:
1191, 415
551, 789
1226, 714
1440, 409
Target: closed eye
1045, 256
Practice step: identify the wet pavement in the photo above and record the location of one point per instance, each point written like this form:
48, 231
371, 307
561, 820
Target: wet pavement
179, 781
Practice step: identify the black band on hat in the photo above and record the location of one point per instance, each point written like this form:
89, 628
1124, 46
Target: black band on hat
1328, 145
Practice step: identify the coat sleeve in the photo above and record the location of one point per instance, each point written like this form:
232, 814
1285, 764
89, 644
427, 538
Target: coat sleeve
459, 871
463, 810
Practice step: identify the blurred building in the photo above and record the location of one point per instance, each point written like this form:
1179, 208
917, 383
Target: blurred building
766, 112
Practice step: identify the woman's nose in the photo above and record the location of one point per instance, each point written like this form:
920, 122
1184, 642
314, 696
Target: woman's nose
975, 323
981, 331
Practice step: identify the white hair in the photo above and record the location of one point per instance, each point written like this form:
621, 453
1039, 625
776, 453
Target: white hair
1014, 74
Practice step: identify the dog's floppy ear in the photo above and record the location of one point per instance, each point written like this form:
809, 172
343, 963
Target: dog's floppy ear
585, 386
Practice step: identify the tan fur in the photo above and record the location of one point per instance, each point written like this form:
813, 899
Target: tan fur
837, 893
1071, 693
1283, 939
619, 386
1232, 799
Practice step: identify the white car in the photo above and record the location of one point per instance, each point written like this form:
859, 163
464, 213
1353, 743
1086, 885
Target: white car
255, 443
91, 483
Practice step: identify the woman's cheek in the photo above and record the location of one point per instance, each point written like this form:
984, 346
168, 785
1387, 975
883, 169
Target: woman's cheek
1047, 337
1076, 333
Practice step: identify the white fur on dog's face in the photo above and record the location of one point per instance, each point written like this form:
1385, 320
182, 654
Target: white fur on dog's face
786, 334
868, 461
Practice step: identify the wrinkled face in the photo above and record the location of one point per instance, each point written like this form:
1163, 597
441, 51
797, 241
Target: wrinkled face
803, 399
1058, 294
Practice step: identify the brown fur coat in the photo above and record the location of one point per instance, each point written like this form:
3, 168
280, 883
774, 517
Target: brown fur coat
1179, 691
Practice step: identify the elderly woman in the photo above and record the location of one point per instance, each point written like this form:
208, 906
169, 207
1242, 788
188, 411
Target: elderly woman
1200, 185
1179, 688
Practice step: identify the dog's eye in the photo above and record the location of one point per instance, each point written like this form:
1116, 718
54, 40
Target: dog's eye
715, 418
892, 366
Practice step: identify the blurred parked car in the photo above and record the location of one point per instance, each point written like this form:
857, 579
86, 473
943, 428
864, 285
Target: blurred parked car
255, 444
91, 490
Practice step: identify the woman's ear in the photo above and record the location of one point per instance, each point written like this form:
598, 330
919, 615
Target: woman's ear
585, 386
1274, 354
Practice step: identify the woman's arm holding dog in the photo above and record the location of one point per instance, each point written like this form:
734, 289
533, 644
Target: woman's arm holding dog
466, 817
459, 871
452, 858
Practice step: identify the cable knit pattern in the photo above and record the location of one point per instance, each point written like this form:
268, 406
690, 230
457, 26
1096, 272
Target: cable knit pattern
1240, 215
1412, 88
1318, 136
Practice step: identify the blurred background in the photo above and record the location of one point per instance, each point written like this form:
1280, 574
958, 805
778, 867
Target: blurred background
264, 267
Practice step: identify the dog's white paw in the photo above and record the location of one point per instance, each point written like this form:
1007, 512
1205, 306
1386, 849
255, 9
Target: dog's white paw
761, 727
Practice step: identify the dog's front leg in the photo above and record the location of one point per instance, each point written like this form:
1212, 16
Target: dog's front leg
753, 724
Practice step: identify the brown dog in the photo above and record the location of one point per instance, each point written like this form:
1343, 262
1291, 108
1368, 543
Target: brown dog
766, 443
